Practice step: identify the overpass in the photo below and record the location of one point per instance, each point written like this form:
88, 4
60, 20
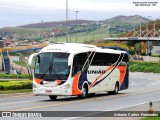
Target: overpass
149, 41
150, 36
25, 50
151, 33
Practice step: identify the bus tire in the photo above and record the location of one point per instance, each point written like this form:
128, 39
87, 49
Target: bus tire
52, 97
84, 92
92, 94
116, 89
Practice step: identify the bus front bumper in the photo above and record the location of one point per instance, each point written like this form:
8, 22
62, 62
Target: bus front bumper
52, 91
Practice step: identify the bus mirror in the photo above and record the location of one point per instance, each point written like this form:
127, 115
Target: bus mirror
32, 57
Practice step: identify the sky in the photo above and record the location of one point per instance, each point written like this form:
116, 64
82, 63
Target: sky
20, 12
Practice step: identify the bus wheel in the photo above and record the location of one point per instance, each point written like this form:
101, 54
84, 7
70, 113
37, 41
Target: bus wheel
116, 89
92, 94
84, 92
52, 97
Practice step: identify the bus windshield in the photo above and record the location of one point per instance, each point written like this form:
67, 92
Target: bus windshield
52, 66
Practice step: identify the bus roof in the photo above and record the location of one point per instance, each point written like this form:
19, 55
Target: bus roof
76, 48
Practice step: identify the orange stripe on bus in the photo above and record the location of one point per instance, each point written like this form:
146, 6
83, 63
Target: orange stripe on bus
75, 89
111, 67
38, 80
122, 70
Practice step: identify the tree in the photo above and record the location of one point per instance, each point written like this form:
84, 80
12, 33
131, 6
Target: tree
130, 43
150, 47
138, 47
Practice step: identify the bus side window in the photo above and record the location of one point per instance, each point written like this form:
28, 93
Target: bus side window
104, 59
75, 64
79, 62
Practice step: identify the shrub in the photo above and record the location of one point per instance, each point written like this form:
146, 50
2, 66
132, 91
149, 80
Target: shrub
14, 76
143, 54
15, 85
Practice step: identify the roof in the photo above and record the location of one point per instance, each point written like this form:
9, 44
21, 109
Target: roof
76, 48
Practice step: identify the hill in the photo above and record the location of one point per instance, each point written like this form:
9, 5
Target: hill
129, 20
86, 30
125, 23
54, 24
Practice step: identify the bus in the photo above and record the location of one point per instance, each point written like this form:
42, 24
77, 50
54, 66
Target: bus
75, 69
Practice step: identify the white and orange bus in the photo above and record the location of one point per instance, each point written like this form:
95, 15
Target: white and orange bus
78, 70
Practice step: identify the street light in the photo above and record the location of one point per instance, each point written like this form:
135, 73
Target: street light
76, 24
67, 21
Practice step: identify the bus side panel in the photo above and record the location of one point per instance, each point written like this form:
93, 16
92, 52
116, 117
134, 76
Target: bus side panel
75, 89
78, 82
102, 78
125, 83
82, 79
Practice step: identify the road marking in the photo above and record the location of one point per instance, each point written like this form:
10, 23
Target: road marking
15, 96
10, 103
71, 118
80, 101
42, 106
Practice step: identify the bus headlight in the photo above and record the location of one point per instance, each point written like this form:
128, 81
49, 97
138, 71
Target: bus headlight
36, 86
66, 86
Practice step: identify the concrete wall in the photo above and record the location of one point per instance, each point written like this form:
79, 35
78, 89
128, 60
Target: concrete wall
156, 50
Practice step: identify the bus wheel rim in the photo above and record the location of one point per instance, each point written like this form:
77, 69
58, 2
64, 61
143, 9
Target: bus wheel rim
116, 89
83, 91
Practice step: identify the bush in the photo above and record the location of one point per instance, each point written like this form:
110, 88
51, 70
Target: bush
132, 52
149, 54
143, 54
14, 76
15, 85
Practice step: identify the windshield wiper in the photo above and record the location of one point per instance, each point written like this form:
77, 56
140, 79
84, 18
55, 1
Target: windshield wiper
51, 70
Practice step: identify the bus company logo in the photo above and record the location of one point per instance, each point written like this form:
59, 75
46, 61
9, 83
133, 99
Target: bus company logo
6, 114
96, 71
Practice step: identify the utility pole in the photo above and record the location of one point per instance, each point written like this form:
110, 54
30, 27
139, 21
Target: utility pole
76, 25
67, 21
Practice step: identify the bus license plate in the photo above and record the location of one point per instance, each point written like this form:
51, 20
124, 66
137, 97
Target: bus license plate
48, 91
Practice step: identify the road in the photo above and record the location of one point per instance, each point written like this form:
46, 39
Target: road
144, 87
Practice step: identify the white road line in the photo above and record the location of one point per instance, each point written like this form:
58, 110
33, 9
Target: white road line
10, 103
71, 118
15, 96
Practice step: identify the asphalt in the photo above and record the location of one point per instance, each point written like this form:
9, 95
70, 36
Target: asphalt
144, 88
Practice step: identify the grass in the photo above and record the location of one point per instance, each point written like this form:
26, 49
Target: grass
24, 31
13, 76
144, 67
96, 35
151, 118
20, 63
15, 91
